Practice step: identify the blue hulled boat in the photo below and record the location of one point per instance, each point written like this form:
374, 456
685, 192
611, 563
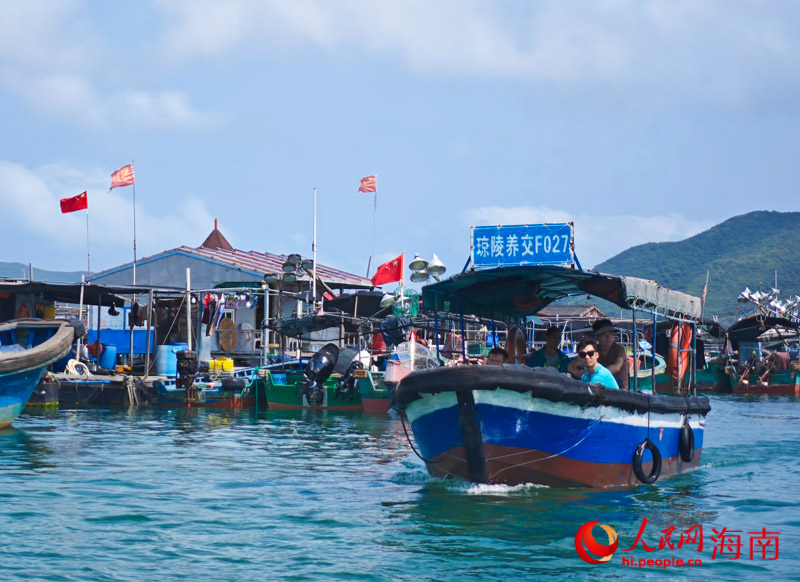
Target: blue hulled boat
512, 424
27, 347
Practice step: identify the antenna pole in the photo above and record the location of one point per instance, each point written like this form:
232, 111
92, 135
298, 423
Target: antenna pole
314, 259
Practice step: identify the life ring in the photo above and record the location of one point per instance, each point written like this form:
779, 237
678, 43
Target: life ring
516, 345
655, 470
678, 357
686, 443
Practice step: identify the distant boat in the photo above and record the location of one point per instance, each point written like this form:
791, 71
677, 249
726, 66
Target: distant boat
511, 424
765, 365
27, 347
238, 389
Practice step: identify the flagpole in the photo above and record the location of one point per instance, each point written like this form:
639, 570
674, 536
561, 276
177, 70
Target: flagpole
374, 221
134, 227
88, 255
703, 303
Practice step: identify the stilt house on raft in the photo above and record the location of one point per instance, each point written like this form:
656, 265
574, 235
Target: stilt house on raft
235, 277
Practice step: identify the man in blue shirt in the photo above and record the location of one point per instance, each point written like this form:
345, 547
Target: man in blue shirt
550, 356
594, 372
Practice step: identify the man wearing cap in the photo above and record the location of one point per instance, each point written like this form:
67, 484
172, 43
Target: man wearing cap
612, 355
594, 372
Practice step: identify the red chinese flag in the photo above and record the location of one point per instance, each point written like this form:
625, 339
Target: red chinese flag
389, 272
122, 177
368, 184
79, 202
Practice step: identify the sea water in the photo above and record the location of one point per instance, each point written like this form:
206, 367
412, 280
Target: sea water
199, 494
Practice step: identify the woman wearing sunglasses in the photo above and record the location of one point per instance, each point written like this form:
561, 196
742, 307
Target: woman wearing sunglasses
594, 371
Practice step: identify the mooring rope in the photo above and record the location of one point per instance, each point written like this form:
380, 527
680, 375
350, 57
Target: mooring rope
589, 430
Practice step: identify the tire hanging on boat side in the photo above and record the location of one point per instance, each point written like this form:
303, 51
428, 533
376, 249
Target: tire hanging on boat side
655, 470
686, 442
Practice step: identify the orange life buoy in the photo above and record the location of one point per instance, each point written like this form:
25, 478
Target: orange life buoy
678, 358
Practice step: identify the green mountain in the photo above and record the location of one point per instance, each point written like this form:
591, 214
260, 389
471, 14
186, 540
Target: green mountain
22, 271
744, 251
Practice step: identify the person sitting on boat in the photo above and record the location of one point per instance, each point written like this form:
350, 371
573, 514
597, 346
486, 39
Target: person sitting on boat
550, 356
612, 355
496, 357
594, 371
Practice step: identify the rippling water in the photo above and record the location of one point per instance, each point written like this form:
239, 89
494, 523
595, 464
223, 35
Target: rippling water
154, 494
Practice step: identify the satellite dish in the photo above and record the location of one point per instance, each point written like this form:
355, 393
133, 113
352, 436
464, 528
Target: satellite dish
387, 300
419, 276
418, 263
436, 266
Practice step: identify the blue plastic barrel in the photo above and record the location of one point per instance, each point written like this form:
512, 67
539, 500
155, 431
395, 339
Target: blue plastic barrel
108, 359
166, 361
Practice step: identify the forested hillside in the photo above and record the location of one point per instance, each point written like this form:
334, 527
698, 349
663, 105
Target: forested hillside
744, 251
22, 271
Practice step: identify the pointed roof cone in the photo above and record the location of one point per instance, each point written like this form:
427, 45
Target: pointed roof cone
216, 240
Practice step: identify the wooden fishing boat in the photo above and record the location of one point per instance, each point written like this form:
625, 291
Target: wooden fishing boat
316, 383
764, 364
27, 347
511, 424
240, 388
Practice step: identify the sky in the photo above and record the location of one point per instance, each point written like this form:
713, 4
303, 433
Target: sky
640, 121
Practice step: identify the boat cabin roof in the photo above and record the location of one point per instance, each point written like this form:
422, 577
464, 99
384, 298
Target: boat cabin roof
760, 328
516, 292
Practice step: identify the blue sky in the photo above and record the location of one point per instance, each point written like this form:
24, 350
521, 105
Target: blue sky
641, 121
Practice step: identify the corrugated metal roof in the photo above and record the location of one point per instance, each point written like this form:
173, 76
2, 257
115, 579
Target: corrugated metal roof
255, 262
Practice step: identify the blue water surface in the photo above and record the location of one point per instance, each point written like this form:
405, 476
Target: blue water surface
176, 494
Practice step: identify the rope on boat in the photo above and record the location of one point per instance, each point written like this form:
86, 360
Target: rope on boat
585, 436
130, 385
408, 438
588, 431
77, 368
250, 383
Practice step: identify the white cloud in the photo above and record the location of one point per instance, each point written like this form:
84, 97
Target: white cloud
163, 109
700, 48
597, 237
56, 241
45, 33
73, 98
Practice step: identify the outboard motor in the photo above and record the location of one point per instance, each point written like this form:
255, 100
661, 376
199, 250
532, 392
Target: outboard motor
187, 373
345, 387
319, 369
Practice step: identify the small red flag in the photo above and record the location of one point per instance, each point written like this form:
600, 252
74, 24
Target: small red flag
389, 272
79, 202
122, 177
368, 184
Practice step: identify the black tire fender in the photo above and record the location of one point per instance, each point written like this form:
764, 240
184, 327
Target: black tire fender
686, 443
655, 470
